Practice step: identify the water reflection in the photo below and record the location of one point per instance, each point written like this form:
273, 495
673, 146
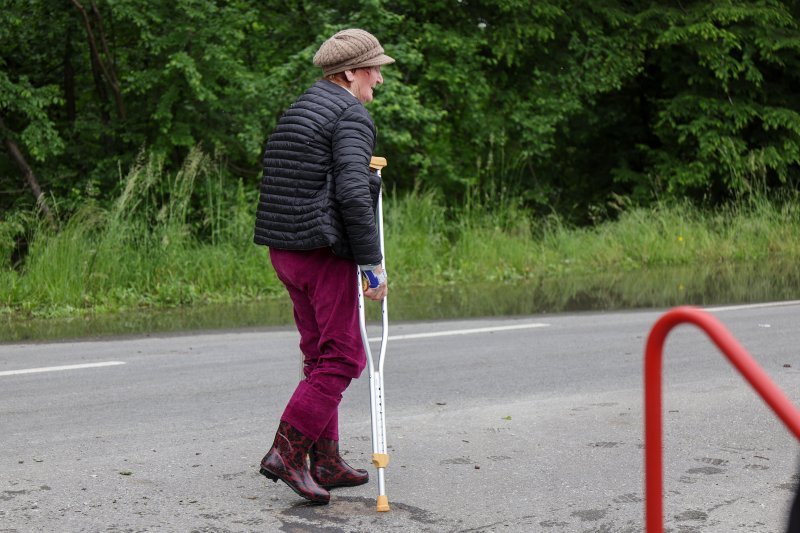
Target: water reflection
711, 285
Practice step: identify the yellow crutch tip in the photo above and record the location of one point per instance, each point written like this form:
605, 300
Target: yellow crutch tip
383, 504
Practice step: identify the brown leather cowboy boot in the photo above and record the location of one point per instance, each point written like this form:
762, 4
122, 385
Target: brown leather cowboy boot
286, 460
328, 468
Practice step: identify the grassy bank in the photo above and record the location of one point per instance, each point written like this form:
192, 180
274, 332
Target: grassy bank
502, 242
184, 239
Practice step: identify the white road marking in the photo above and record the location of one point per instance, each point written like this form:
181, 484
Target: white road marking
58, 368
753, 306
452, 332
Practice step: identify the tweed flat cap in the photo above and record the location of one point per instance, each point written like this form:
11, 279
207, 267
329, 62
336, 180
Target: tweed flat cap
350, 49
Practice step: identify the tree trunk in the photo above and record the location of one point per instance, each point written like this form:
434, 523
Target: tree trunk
69, 80
107, 68
27, 172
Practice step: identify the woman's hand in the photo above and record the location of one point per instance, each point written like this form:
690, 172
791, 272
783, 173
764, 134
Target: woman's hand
378, 293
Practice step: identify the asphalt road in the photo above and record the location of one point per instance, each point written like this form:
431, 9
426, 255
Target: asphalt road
528, 424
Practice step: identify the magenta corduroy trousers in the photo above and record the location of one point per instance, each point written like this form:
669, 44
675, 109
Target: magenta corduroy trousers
323, 289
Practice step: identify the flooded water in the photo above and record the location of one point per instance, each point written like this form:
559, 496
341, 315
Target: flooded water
721, 284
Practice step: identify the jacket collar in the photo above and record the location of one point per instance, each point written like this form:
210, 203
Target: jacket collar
335, 87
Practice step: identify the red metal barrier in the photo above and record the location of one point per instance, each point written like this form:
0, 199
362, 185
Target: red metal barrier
736, 354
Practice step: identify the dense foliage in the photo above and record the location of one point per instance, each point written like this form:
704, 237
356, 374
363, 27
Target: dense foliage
575, 105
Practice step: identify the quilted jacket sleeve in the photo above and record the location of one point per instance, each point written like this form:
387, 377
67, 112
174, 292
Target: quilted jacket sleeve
352, 144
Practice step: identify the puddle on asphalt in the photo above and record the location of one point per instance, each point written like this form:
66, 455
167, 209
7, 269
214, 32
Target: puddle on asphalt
328, 518
725, 284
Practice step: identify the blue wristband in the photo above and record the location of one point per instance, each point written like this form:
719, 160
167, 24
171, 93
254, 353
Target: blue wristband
374, 280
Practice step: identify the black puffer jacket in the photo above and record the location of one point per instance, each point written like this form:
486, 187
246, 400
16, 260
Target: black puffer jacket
317, 189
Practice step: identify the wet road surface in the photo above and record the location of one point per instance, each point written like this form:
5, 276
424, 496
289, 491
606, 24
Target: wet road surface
524, 424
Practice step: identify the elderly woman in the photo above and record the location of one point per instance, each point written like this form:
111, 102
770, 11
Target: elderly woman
317, 216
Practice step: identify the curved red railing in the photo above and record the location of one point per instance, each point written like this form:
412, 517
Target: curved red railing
736, 354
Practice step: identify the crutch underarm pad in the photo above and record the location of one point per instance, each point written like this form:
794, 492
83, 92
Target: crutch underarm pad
377, 163
380, 460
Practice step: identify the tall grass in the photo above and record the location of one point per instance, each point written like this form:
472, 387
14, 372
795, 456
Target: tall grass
497, 240
186, 238
144, 249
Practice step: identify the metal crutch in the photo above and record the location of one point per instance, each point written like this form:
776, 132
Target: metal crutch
380, 457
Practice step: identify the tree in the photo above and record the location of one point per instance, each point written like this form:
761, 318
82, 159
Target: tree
725, 97
571, 104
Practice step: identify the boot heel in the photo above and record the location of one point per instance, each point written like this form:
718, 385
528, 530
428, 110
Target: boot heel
269, 475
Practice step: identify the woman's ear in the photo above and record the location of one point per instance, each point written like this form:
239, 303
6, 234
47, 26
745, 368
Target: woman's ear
349, 75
